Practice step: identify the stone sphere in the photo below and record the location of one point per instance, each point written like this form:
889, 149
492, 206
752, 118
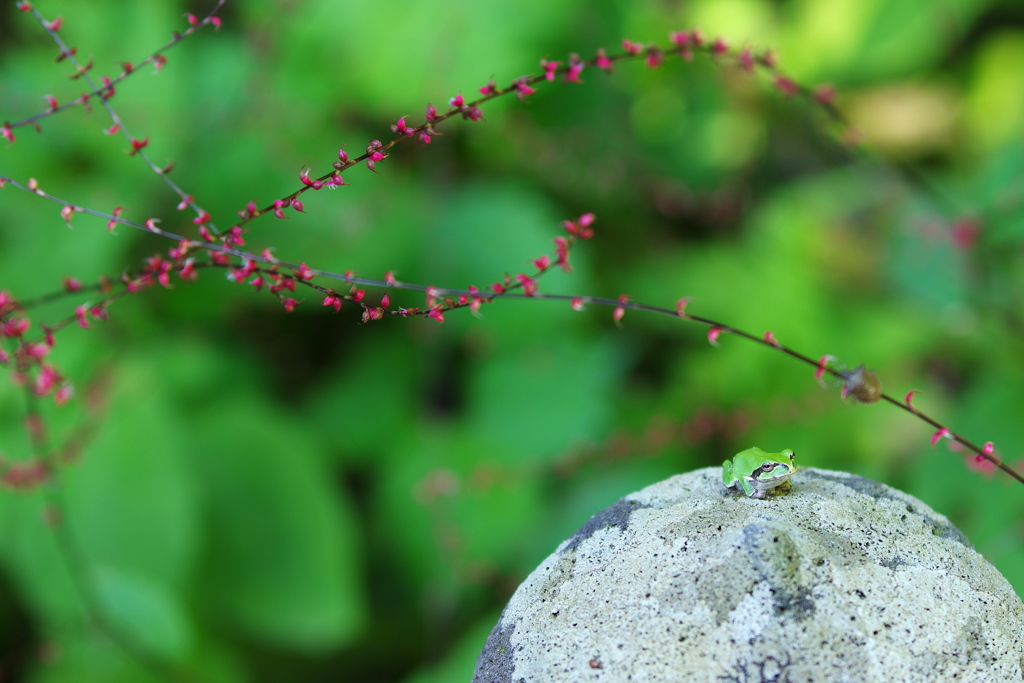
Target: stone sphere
840, 579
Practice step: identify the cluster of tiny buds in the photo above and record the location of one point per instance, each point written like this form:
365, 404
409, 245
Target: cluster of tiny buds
29, 355
683, 43
23, 476
106, 91
32, 371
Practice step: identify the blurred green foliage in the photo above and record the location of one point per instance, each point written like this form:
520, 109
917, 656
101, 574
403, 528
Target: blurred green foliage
263, 495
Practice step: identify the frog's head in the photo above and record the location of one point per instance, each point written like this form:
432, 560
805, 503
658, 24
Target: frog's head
773, 472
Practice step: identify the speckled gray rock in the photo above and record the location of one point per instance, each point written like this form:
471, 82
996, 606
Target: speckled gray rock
842, 579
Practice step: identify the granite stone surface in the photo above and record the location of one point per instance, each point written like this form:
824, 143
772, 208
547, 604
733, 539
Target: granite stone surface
840, 579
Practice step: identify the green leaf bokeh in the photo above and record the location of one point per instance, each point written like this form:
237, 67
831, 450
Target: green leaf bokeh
261, 495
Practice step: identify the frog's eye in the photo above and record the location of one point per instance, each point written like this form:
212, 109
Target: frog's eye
768, 466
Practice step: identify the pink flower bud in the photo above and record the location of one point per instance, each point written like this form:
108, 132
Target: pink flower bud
601, 61
14, 327
713, 334
113, 221
575, 68
550, 69
334, 301
405, 129
436, 314
234, 236
786, 86
290, 304
522, 88
456, 102
431, 112
681, 38
63, 394
943, 433
35, 351
562, 253
770, 338
528, 283
188, 270
577, 303
138, 145
746, 59
46, 379
109, 91
5, 131
965, 233
824, 94
823, 362
681, 307
490, 89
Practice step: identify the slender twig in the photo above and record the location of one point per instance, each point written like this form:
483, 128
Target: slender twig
137, 143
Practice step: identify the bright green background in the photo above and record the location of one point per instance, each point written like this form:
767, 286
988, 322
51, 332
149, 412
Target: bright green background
269, 495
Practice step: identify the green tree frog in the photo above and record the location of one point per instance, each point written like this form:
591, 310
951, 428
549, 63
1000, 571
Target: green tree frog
757, 472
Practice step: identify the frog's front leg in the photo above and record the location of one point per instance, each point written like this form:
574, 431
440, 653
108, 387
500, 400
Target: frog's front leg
749, 489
